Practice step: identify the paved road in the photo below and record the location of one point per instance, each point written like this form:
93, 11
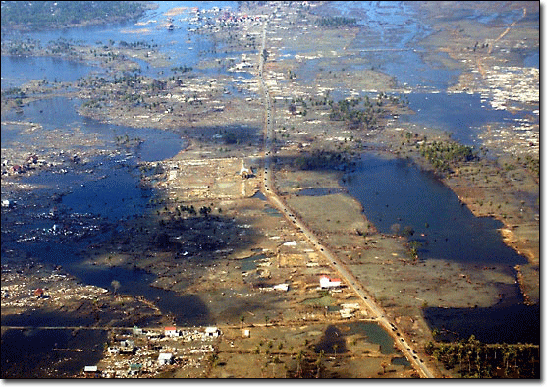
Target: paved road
349, 278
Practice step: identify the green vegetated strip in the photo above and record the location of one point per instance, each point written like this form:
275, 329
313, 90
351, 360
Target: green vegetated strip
57, 14
530, 163
441, 154
473, 359
445, 155
321, 301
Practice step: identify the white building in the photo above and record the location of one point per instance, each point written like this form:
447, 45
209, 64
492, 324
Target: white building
212, 332
281, 287
165, 358
346, 313
7, 203
171, 332
326, 282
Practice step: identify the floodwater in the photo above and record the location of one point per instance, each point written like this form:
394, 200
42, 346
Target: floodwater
61, 114
373, 332
512, 324
112, 192
460, 114
182, 46
186, 310
17, 70
49, 353
395, 194
387, 23
389, 41
334, 338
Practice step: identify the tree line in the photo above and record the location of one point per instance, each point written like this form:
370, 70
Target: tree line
441, 154
58, 14
473, 359
320, 159
362, 112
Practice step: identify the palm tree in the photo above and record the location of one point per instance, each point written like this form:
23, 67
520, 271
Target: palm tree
335, 347
318, 364
506, 355
299, 363
384, 365
478, 360
460, 354
242, 318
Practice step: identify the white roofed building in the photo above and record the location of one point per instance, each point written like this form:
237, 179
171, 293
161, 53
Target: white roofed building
326, 282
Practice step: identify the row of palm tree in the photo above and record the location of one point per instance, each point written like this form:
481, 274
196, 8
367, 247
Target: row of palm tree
443, 154
473, 359
362, 112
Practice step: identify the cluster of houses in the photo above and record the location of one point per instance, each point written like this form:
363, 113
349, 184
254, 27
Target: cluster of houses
165, 356
228, 17
208, 333
334, 284
31, 162
222, 18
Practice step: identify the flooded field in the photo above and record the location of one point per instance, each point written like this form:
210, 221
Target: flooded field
17, 70
464, 120
49, 353
405, 197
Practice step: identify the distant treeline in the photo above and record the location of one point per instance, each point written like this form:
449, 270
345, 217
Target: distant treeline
473, 359
320, 159
336, 21
58, 14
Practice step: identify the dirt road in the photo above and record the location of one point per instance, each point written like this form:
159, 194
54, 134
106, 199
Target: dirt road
350, 280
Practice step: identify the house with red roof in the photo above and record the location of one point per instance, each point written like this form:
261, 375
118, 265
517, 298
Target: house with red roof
325, 282
171, 332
